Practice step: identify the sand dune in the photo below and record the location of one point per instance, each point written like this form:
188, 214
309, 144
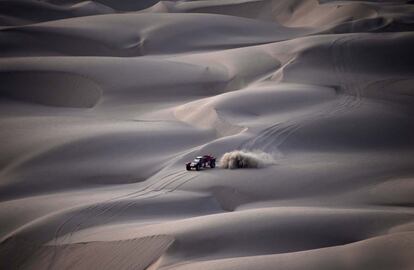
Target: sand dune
370, 254
47, 88
21, 12
103, 102
78, 255
136, 34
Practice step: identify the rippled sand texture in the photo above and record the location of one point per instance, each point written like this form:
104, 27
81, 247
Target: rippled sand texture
103, 102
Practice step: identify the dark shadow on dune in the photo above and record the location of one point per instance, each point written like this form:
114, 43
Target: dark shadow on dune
50, 88
21, 12
136, 254
128, 5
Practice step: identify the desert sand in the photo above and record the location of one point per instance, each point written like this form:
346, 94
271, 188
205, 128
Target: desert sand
103, 102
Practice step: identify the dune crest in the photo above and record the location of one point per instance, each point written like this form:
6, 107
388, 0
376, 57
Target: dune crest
104, 102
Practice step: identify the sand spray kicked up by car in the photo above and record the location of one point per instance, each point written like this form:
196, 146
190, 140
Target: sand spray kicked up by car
246, 159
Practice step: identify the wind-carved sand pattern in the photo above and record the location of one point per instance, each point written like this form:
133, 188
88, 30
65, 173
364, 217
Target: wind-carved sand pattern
107, 211
102, 103
347, 78
141, 253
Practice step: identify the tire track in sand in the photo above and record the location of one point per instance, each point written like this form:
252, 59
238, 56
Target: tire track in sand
168, 182
272, 137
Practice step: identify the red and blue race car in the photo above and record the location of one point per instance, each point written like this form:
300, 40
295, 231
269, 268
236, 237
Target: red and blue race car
201, 162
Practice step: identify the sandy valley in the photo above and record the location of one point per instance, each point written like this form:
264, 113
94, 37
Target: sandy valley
103, 102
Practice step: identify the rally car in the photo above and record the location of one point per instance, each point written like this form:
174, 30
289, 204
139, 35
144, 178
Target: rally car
201, 162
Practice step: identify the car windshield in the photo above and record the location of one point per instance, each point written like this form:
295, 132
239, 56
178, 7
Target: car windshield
196, 160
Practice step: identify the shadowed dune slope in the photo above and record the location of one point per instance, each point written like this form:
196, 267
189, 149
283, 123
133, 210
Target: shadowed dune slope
104, 102
139, 34
137, 253
46, 88
21, 12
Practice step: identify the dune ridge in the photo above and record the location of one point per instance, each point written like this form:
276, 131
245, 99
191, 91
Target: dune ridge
104, 102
